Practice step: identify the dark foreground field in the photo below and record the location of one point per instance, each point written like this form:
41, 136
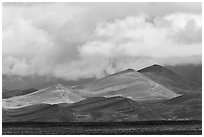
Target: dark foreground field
138, 128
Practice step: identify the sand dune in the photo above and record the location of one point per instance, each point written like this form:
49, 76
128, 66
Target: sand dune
130, 84
113, 109
153, 93
55, 94
170, 79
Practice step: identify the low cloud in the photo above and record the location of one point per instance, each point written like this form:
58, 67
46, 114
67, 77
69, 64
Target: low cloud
74, 41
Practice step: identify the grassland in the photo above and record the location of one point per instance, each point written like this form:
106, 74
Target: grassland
102, 128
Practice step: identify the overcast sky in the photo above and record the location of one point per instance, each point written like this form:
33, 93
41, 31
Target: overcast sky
84, 40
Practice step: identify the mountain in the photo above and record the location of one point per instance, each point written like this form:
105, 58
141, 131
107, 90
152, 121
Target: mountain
129, 83
188, 71
170, 79
152, 93
93, 109
51, 95
36, 113
112, 109
10, 82
185, 107
12, 93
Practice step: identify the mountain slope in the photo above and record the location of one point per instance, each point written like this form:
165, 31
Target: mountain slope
36, 113
12, 93
187, 106
169, 79
92, 109
124, 96
128, 83
113, 109
51, 95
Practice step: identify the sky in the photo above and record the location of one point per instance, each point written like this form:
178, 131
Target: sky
74, 41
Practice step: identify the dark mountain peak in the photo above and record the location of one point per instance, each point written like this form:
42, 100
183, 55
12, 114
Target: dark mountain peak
157, 69
169, 79
129, 70
156, 65
154, 68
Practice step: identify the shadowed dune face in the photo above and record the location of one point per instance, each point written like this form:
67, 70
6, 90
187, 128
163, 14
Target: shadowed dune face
93, 109
170, 79
113, 109
129, 84
37, 113
186, 107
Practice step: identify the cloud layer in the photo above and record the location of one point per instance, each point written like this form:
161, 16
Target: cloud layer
81, 40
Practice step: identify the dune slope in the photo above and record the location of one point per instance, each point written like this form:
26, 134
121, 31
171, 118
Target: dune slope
170, 79
55, 94
130, 84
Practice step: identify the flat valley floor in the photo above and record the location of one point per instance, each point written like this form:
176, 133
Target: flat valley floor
121, 128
